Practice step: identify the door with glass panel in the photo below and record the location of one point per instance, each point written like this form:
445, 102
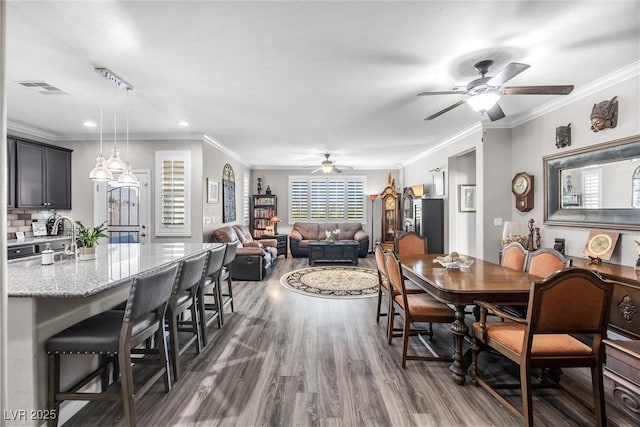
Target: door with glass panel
125, 208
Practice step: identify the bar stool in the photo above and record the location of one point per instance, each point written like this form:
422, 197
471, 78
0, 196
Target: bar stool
225, 276
185, 297
114, 335
211, 287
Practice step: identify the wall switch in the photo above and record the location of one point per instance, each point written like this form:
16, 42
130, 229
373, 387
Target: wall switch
497, 222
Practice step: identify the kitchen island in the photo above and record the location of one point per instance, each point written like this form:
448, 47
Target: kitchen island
45, 299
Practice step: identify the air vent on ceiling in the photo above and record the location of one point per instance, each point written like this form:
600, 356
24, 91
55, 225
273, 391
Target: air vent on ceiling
43, 87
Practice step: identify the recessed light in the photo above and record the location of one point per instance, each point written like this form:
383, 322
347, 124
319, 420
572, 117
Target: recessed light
89, 124
183, 123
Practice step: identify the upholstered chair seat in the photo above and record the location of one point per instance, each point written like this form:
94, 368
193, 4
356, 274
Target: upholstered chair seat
424, 308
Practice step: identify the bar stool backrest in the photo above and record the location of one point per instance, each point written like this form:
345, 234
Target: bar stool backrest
191, 273
230, 254
216, 258
149, 292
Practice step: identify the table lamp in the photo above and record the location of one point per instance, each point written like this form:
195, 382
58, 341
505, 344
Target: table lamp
274, 224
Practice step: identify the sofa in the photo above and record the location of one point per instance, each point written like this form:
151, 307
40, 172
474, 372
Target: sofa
254, 259
304, 233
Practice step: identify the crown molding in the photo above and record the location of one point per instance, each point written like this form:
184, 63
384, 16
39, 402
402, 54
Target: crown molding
215, 144
624, 73
30, 130
455, 138
306, 168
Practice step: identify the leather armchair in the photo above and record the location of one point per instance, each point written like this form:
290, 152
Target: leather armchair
254, 258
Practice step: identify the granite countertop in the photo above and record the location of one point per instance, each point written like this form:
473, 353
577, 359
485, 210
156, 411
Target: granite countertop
35, 240
114, 264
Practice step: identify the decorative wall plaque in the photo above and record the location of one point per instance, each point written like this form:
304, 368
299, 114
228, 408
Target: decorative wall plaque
228, 194
563, 136
604, 115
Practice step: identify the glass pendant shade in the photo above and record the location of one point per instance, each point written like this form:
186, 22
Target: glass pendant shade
483, 101
127, 177
115, 163
100, 171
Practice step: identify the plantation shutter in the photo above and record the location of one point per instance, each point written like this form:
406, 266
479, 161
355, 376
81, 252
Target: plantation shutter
245, 198
173, 193
172, 196
355, 200
591, 182
326, 198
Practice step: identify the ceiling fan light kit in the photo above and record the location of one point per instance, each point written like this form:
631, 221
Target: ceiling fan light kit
328, 166
483, 101
484, 93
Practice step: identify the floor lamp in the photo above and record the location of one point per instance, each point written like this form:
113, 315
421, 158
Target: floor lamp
373, 198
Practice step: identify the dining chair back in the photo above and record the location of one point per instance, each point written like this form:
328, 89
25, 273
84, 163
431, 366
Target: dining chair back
410, 243
514, 256
383, 281
546, 261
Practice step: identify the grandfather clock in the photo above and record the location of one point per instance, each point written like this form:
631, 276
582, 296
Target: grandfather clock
390, 213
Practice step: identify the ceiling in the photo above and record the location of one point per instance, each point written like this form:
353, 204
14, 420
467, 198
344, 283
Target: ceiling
281, 83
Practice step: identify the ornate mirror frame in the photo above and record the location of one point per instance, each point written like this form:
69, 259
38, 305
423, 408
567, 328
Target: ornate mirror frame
620, 219
228, 194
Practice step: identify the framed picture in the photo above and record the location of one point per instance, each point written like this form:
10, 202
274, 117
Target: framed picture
467, 198
438, 183
212, 191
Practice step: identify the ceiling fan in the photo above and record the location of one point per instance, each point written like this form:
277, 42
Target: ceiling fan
327, 166
484, 93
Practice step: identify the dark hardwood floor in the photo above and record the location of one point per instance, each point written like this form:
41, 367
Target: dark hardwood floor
284, 359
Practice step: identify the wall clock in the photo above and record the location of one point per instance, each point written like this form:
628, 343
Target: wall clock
522, 188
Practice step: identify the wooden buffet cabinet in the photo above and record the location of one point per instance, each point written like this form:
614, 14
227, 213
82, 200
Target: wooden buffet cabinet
622, 356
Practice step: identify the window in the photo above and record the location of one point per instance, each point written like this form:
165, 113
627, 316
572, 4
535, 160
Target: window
245, 198
173, 193
591, 184
327, 198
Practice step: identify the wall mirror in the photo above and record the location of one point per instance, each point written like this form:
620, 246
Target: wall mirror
595, 186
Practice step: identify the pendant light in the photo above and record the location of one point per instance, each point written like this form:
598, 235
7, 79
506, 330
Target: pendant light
115, 163
100, 171
127, 177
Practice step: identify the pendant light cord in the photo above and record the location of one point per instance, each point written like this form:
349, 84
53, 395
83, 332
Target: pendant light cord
127, 118
101, 92
115, 116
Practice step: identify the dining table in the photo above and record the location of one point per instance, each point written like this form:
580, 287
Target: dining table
460, 287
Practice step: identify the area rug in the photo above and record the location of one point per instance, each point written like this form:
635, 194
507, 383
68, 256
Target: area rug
333, 282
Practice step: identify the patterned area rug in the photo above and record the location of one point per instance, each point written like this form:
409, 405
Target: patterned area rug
333, 282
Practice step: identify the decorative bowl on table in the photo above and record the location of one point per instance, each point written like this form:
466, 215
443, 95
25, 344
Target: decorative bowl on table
459, 263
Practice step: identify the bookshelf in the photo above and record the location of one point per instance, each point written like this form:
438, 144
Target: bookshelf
263, 208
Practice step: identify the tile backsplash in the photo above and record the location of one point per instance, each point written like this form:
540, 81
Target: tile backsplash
21, 219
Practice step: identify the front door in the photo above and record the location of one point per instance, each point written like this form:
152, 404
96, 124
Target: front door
125, 208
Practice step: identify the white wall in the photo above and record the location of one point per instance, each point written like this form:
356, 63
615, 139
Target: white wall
278, 180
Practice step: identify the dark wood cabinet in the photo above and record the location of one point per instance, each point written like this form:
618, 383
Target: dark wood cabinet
43, 176
11, 179
429, 223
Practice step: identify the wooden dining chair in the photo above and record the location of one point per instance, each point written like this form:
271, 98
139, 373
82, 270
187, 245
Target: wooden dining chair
383, 282
514, 256
546, 261
410, 243
412, 308
543, 339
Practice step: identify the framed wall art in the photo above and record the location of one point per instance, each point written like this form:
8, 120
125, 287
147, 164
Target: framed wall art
467, 198
228, 194
212, 191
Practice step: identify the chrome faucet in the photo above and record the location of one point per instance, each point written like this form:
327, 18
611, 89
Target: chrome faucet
72, 249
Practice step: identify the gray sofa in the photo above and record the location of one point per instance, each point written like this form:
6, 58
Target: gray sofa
304, 233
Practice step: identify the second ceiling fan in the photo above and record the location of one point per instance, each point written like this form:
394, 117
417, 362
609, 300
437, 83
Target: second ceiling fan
484, 93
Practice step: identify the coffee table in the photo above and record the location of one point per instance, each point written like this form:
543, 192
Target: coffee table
341, 251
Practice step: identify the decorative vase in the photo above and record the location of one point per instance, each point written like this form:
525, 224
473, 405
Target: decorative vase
87, 253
